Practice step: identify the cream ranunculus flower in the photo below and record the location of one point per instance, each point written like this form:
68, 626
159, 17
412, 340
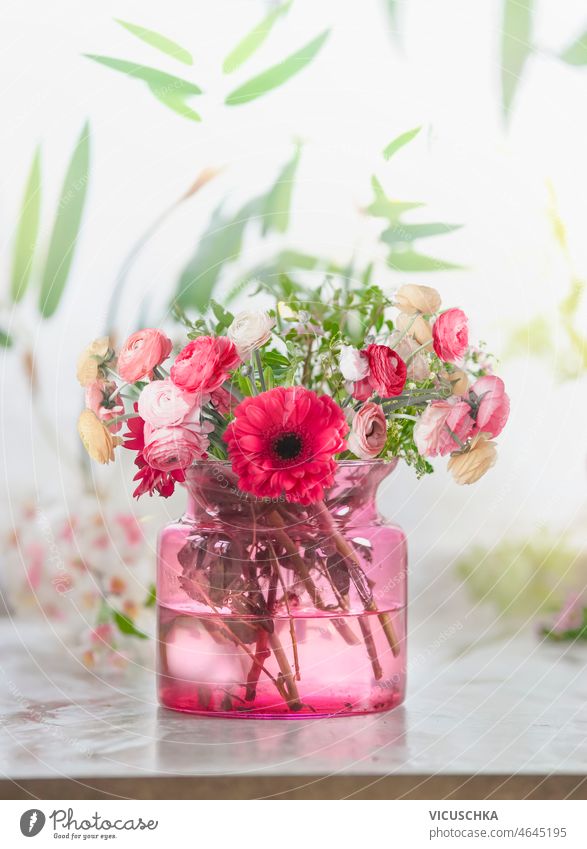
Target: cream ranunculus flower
459, 381
417, 327
97, 439
412, 299
470, 464
91, 360
249, 331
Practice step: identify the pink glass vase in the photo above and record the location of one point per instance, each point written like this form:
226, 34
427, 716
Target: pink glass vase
273, 610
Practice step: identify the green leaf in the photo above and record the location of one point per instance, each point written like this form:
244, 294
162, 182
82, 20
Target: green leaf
278, 201
170, 90
220, 244
6, 340
516, 47
576, 53
126, 625
384, 207
66, 226
278, 74
223, 317
399, 142
401, 233
27, 231
253, 40
412, 261
159, 42
151, 599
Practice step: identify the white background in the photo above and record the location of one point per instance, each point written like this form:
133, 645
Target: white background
364, 88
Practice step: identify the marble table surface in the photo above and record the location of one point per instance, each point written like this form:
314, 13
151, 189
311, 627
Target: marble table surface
480, 703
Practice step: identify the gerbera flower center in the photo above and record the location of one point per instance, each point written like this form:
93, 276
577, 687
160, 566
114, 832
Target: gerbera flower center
288, 446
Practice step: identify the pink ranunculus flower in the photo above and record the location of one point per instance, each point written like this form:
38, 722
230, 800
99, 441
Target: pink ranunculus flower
432, 430
450, 334
163, 404
361, 390
141, 353
170, 448
203, 365
99, 399
493, 408
368, 432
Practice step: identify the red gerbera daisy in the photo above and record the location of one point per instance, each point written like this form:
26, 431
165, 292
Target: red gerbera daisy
284, 441
150, 480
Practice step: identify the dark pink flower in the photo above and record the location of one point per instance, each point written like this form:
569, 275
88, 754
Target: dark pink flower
450, 335
283, 442
387, 370
203, 365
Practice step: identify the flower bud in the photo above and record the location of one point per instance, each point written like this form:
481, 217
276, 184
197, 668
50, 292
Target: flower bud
411, 299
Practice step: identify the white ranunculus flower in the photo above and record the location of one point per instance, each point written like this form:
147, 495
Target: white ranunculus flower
353, 364
249, 331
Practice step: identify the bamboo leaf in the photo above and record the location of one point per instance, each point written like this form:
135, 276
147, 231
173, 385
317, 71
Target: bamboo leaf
576, 53
278, 201
253, 40
170, 90
6, 340
66, 226
399, 142
278, 74
404, 233
384, 207
27, 231
411, 261
516, 47
158, 41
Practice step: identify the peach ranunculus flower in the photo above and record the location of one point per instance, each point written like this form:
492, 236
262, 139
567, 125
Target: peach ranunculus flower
141, 353
458, 380
432, 432
91, 361
415, 326
470, 464
97, 439
411, 299
102, 400
170, 448
418, 368
493, 404
368, 432
450, 333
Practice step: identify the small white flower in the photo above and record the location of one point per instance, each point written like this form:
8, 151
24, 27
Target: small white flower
353, 364
249, 331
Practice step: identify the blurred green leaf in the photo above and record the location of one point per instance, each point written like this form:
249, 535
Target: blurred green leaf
66, 226
220, 244
384, 207
411, 261
151, 599
274, 273
392, 9
27, 231
401, 233
158, 41
223, 317
6, 340
126, 625
400, 141
278, 74
253, 40
516, 47
576, 53
277, 205
170, 90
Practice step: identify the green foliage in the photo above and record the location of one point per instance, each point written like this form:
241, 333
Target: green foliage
27, 231
6, 340
571, 634
253, 40
576, 53
172, 91
126, 626
400, 443
278, 74
158, 41
66, 226
399, 142
516, 47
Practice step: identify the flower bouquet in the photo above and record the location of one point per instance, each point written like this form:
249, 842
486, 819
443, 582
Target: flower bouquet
281, 591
